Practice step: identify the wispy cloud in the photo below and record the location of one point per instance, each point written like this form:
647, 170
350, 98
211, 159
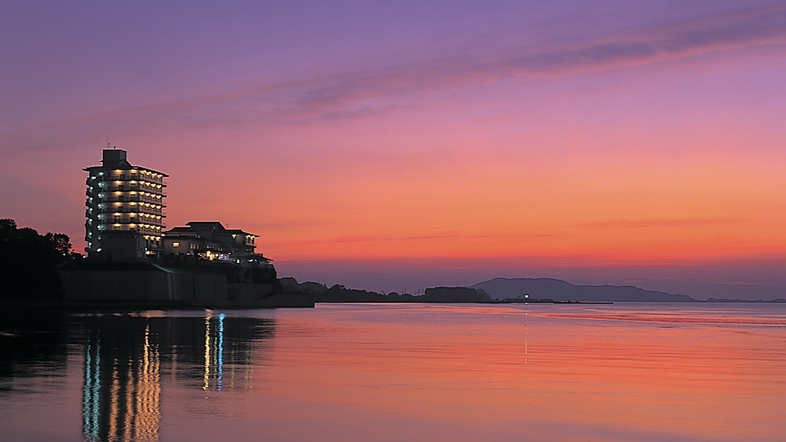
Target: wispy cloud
362, 91
449, 236
656, 223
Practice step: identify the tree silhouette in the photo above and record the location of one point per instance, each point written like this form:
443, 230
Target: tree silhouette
28, 262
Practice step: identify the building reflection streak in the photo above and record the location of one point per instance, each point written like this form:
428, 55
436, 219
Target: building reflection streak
214, 353
90, 391
122, 391
220, 350
129, 401
148, 398
206, 377
123, 359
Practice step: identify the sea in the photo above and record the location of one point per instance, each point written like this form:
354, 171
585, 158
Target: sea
398, 372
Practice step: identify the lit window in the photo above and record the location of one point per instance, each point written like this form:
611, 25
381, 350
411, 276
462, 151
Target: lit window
175, 244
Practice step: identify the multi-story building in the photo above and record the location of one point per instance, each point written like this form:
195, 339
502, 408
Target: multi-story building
210, 240
125, 205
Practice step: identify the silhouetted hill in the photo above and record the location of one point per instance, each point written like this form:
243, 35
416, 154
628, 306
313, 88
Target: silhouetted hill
339, 293
559, 290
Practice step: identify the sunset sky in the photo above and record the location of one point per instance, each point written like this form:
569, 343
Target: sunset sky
403, 145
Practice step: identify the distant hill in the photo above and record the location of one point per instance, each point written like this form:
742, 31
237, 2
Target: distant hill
558, 290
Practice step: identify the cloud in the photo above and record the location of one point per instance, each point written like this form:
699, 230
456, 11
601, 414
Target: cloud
455, 236
370, 90
666, 222
721, 32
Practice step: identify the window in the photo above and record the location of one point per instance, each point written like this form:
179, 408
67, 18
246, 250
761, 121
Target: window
175, 244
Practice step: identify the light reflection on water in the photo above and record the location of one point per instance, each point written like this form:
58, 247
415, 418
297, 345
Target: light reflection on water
399, 372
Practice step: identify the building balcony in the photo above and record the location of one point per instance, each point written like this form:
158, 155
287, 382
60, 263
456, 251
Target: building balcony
144, 228
129, 206
132, 198
132, 187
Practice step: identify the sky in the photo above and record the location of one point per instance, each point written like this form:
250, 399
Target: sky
394, 146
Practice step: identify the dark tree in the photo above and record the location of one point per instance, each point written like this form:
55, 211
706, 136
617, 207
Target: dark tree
28, 262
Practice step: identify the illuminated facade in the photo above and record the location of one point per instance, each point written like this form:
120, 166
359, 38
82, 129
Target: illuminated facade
210, 240
125, 206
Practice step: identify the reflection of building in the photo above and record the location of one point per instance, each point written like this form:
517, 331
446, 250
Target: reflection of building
125, 207
122, 390
228, 361
217, 352
125, 356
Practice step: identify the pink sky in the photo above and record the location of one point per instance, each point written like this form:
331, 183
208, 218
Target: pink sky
426, 143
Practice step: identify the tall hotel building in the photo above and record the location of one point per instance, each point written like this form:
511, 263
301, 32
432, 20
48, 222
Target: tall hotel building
123, 201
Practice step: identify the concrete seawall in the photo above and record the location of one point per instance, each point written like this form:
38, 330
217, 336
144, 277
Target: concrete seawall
186, 288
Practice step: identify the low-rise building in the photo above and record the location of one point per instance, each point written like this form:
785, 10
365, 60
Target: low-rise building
212, 241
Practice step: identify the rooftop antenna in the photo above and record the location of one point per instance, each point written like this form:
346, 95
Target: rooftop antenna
107, 142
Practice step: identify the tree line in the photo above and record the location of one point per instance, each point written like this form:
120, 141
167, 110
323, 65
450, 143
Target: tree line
29, 262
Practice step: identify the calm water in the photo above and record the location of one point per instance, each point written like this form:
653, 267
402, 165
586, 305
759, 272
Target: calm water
399, 373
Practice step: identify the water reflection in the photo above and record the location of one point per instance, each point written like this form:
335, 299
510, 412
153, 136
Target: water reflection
357, 372
31, 345
123, 357
122, 381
